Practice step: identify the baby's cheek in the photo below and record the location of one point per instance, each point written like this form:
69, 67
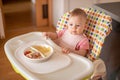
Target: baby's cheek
80, 29
70, 30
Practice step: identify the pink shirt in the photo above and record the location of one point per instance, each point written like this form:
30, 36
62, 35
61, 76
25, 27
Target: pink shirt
75, 42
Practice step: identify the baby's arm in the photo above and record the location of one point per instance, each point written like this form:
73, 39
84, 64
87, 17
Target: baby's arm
79, 52
51, 35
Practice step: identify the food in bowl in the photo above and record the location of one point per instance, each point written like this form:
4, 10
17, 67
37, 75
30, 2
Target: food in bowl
32, 54
38, 52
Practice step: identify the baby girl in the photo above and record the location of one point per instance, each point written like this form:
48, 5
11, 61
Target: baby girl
72, 39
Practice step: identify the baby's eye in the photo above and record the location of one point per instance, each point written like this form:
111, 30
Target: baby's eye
77, 25
70, 24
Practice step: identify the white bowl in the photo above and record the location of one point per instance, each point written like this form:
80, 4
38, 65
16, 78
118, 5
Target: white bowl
34, 53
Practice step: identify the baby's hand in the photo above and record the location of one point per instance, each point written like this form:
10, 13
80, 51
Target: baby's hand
45, 34
97, 77
65, 50
50, 35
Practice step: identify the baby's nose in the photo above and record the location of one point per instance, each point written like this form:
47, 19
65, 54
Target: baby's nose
74, 27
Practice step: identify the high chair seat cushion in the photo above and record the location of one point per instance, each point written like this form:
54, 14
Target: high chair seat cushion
98, 26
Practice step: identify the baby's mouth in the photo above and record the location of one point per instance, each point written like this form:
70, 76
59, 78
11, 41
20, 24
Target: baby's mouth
73, 32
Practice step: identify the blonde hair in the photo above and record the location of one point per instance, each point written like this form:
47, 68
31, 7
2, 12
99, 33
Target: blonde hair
78, 12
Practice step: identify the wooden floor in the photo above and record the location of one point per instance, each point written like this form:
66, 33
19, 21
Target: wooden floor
17, 23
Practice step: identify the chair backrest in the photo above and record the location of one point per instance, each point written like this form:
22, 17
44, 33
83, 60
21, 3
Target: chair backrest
98, 26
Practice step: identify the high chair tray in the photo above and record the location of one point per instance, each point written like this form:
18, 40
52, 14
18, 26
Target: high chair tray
56, 62
58, 67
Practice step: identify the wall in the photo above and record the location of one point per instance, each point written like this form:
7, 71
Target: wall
59, 8
80, 3
86, 3
106, 1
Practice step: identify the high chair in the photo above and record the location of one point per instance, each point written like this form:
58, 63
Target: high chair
60, 66
98, 26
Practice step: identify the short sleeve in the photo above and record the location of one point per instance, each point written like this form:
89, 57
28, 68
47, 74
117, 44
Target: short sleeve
84, 44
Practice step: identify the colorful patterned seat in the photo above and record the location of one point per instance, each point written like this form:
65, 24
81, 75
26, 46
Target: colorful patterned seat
98, 26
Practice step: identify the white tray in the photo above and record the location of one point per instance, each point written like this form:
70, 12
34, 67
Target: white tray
75, 67
56, 62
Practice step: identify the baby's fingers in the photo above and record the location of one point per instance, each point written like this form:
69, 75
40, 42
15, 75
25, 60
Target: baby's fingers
64, 50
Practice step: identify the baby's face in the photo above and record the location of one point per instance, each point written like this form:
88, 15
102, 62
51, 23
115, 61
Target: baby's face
76, 25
